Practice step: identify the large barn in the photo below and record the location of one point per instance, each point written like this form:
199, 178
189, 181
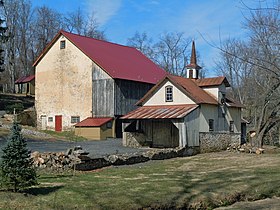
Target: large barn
78, 77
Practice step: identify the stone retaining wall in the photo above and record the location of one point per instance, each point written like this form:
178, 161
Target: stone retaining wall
84, 163
214, 141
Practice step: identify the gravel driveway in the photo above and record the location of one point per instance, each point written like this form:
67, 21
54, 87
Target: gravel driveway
95, 148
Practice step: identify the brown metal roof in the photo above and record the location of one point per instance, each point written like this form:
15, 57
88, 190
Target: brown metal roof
215, 81
93, 122
161, 112
187, 86
194, 91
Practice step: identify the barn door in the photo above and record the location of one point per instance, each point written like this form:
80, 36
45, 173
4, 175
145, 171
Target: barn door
43, 122
58, 123
165, 134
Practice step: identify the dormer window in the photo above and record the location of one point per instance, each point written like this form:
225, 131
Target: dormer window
62, 44
168, 93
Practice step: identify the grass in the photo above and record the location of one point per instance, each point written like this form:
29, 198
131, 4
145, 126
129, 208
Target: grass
203, 181
65, 135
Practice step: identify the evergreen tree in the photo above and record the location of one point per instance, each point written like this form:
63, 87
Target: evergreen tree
16, 167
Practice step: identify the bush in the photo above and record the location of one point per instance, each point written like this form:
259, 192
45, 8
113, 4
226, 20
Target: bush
18, 107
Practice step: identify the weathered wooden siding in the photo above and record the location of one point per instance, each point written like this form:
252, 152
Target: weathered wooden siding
192, 128
102, 94
127, 93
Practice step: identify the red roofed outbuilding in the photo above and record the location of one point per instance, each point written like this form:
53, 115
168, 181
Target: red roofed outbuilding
25, 85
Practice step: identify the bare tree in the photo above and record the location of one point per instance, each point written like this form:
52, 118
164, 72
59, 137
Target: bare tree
172, 52
82, 24
143, 43
254, 68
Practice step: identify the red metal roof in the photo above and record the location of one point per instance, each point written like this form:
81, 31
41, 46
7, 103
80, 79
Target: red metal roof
120, 62
215, 81
25, 79
93, 122
161, 112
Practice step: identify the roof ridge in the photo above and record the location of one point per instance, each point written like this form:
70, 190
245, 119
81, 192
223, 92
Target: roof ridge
109, 42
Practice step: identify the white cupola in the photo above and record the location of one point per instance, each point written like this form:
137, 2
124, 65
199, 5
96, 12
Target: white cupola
193, 68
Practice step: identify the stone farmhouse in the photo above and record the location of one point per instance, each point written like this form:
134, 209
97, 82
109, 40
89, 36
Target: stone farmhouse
180, 112
91, 83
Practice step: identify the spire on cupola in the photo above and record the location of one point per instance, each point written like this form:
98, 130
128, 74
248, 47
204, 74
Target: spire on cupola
193, 68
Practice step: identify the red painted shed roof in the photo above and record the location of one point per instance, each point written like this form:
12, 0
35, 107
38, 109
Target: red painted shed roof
25, 79
93, 122
120, 62
161, 112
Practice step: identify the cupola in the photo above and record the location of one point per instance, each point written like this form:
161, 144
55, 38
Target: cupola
193, 68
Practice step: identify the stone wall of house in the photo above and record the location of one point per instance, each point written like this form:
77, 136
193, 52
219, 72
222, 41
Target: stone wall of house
212, 141
134, 139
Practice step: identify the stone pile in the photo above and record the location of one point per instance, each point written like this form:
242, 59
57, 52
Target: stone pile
78, 158
59, 160
246, 148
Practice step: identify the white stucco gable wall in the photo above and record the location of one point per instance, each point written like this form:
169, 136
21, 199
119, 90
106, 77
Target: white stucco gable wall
158, 98
63, 84
216, 91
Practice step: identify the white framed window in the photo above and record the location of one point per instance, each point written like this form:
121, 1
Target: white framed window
211, 124
50, 119
168, 93
75, 119
62, 44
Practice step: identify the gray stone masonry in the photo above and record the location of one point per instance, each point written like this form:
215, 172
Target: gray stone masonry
214, 141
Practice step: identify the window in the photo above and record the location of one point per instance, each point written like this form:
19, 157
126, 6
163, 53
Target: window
75, 119
211, 124
109, 124
169, 93
231, 126
190, 73
62, 44
50, 119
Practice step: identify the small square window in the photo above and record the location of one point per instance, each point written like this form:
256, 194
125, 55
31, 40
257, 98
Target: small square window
62, 44
75, 119
109, 124
211, 124
231, 126
50, 119
169, 94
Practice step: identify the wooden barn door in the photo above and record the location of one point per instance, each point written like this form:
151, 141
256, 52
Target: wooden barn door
58, 123
165, 134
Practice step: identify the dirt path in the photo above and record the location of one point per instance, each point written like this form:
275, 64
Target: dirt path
269, 203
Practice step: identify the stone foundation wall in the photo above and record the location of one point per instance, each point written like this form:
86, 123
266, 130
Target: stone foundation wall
212, 141
134, 139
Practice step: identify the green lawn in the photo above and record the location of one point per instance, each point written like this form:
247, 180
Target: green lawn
204, 181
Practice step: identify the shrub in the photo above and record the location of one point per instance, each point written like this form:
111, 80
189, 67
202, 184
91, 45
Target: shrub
16, 169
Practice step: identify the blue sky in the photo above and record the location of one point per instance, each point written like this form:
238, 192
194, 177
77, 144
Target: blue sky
213, 20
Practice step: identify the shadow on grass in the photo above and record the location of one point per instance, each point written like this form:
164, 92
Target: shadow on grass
42, 190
